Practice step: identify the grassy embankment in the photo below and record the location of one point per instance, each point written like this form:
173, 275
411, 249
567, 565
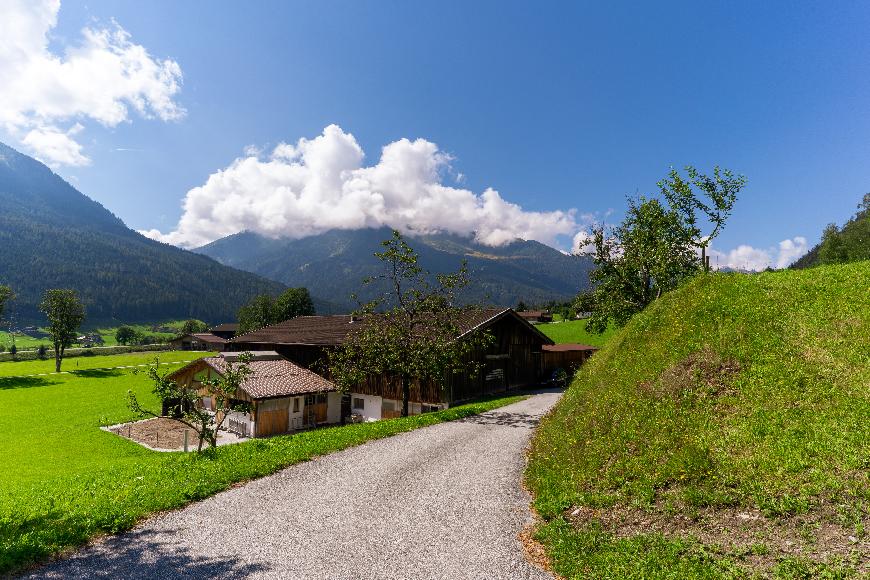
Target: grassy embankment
66, 480
725, 432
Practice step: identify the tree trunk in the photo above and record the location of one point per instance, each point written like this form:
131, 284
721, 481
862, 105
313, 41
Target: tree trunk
58, 357
406, 394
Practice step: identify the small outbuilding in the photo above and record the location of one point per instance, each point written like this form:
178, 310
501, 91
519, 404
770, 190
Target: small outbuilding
565, 356
199, 341
536, 316
283, 396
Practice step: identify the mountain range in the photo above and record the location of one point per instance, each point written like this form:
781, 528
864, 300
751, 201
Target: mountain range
333, 264
53, 236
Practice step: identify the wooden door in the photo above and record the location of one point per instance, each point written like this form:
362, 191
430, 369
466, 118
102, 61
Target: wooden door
272, 422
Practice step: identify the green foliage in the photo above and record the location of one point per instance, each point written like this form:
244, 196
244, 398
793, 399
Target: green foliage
192, 326
655, 247
411, 331
841, 246
60, 496
5, 296
265, 310
126, 335
65, 314
734, 390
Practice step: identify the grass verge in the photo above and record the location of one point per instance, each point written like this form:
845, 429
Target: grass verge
574, 331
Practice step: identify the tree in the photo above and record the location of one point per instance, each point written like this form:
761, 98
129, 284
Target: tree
521, 306
193, 326
126, 335
257, 314
6, 295
656, 246
265, 310
291, 303
65, 313
832, 250
185, 402
411, 332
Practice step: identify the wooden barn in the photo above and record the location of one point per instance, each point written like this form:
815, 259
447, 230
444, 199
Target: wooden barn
512, 361
284, 397
199, 341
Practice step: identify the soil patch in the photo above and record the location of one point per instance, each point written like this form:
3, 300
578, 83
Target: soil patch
703, 372
757, 541
166, 434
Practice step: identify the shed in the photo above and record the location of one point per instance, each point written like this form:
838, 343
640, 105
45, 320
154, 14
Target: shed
565, 356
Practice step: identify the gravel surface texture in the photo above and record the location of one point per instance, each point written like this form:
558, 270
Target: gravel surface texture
440, 502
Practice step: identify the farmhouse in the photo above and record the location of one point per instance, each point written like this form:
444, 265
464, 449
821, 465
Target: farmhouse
565, 356
513, 360
226, 330
283, 396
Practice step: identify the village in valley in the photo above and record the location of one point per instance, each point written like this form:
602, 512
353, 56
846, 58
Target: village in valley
256, 323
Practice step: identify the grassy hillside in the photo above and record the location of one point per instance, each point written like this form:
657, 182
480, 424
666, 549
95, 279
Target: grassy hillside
724, 432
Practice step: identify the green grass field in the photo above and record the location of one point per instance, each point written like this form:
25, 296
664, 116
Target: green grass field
574, 331
725, 432
66, 480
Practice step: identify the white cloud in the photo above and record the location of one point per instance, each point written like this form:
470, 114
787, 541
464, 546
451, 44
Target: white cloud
745, 257
583, 242
320, 184
101, 79
56, 147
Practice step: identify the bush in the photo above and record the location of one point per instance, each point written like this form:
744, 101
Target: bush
40, 352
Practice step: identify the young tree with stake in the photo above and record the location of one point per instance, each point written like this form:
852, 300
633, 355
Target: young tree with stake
65, 313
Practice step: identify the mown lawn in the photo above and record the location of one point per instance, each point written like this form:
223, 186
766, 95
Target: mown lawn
65, 480
83, 363
741, 401
574, 331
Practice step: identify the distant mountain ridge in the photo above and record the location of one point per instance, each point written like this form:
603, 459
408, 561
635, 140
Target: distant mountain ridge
53, 236
331, 265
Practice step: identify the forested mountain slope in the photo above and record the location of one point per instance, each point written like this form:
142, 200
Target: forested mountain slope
53, 236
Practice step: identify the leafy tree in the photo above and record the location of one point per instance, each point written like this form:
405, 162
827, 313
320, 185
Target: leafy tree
193, 326
832, 249
410, 333
291, 303
222, 390
13, 350
257, 314
126, 335
265, 310
521, 306
65, 313
5, 296
656, 246
40, 352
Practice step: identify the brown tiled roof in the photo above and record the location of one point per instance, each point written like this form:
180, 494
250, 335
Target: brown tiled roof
208, 337
276, 378
334, 330
567, 347
226, 327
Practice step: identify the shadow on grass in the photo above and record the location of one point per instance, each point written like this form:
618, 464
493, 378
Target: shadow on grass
25, 382
97, 373
145, 554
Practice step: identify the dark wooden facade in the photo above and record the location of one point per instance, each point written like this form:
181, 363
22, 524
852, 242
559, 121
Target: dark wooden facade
512, 361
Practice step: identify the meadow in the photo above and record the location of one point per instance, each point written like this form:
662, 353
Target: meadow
574, 331
67, 480
723, 433
23, 341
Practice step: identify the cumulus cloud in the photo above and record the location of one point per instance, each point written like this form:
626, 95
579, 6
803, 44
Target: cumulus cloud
320, 184
745, 257
583, 243
103, 78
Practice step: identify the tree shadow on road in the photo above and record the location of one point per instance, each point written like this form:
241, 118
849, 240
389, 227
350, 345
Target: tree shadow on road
521, 420
146, 554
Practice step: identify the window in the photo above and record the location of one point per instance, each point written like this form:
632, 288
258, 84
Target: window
387, 405
430, 408
321, 398
296, 405
359, 403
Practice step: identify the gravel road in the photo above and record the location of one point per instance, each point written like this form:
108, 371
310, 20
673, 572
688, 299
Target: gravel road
440, 502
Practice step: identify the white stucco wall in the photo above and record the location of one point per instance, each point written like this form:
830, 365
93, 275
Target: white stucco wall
372, 406
333, 407
295, 419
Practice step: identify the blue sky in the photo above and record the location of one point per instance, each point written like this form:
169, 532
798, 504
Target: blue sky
554, 105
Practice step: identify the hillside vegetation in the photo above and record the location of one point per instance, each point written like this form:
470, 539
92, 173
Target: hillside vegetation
851, 243
722, 433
